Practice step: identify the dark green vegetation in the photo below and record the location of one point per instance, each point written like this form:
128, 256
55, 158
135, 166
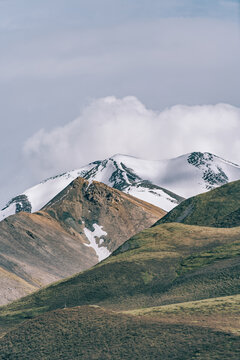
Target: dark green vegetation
93, 333
233, 219
219, 207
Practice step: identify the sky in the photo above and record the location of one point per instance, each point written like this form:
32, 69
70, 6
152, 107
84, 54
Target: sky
82, 80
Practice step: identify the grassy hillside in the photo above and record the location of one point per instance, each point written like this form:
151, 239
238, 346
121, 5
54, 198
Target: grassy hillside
170, 292
165, 264
89, 333
219, 208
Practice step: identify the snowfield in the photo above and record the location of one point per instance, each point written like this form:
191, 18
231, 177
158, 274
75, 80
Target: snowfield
39, 195
155, 196
163, 183
101, 251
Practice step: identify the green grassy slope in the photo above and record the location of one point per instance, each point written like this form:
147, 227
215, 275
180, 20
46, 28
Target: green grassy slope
165, 264
219, 208
89, 333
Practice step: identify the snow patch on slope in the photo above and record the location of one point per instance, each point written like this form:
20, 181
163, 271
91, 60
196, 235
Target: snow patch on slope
101, 251
9, 210
156, 197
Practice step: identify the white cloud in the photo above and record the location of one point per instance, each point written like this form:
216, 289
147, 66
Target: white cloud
55, 56
110, 125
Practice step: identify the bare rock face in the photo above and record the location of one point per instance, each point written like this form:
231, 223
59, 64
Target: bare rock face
120, 215
81, 226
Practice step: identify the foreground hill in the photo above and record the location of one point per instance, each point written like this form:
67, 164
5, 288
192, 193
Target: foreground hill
163, 183
166, 264
81, 226
219, 207
170, 292
93, 333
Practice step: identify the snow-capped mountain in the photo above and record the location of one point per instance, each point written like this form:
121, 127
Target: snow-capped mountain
34, 198
156, 182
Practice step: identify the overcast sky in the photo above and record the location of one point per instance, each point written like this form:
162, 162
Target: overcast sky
82, 80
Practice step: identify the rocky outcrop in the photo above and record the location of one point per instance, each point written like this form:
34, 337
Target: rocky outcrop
119, 214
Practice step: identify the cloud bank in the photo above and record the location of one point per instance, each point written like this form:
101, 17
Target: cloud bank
111, 125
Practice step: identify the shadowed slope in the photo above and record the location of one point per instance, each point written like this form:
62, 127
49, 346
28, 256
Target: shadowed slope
219, 208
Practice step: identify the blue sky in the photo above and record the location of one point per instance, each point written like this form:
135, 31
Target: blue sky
59, 55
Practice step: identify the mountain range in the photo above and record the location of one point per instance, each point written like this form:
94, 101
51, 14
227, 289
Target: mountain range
171, 291
163, 183
134, 282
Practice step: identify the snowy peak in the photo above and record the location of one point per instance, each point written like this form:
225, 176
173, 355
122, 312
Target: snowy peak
198, 158
163, 183
212, 168
215, 170
120, 172
114, 173
34, 198
186, 175
196, 172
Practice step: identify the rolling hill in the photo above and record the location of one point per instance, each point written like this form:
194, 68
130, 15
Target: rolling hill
166, 264
170, 290
219, 208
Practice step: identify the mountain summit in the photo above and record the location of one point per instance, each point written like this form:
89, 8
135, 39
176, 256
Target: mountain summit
78, 228
163, 183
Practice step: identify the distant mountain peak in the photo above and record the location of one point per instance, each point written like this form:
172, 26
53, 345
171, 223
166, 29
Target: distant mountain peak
202, 158
213, 174
163, 183
198, 158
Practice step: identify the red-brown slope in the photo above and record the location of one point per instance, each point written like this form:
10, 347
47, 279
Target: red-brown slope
36, 249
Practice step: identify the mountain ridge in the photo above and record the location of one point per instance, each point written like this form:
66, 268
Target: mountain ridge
164, 183
81, 226
217, 208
